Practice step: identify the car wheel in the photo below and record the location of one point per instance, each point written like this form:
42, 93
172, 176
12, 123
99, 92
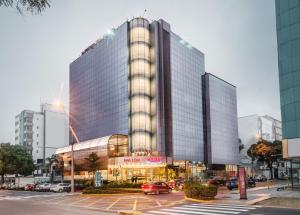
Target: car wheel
145, 193
60, 190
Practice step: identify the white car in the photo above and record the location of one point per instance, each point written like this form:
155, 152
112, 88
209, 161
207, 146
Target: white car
43, 187
61, 187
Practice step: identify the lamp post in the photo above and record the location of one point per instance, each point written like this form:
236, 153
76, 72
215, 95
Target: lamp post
72, 158
72, 168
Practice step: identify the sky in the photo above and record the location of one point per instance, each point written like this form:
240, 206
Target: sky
237, 37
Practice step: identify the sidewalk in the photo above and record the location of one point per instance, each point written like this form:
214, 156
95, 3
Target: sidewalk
254, 195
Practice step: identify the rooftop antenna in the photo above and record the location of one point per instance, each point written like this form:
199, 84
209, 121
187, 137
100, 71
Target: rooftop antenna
144, 13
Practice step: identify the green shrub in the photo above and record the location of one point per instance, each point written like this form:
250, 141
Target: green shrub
108, 190
200, 191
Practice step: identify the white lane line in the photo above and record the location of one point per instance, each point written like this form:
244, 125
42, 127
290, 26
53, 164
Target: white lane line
224, 206
167, 213
217, 208
115, 202
158, 203
134, 205
192, 212
205, 210
73, 203
94, 202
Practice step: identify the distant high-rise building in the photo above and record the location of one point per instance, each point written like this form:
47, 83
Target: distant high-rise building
288, 41
41, 133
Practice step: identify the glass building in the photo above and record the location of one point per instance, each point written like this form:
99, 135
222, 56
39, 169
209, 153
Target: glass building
288, 41
143, 81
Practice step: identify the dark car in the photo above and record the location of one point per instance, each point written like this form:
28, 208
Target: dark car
217, 180
251, 183
156, 188
233, 184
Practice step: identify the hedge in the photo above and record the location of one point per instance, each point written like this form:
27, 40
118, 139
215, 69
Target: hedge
106, 190
200, 191
113, 187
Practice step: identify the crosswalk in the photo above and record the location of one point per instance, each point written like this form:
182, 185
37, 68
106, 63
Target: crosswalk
20, 197
202, 209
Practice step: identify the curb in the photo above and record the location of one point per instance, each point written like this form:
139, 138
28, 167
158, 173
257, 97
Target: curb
197, 200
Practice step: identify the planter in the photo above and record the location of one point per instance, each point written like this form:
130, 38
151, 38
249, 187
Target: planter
200, 191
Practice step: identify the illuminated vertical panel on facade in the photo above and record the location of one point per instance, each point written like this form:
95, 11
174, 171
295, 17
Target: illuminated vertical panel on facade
140, 87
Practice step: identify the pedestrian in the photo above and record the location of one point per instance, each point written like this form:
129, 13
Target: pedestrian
135, 179
132, 179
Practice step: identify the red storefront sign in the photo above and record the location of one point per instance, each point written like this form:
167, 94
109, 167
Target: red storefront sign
128, 160
242, 183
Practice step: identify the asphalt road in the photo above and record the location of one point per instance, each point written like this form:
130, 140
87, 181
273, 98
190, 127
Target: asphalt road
31, 207
35, 203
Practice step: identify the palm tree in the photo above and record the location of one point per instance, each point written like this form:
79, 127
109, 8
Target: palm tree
93, 164
55, 165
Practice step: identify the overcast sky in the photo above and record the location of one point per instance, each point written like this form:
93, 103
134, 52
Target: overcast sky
237, 37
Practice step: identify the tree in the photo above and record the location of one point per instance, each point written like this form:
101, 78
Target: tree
241, 145
93, 164
269, 153
33, 6
14, 159
55, 165
252, 154
266, 152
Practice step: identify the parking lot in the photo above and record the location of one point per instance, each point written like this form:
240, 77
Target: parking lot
108, 203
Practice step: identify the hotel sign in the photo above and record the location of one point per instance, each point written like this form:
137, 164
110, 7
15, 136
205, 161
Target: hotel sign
141, 160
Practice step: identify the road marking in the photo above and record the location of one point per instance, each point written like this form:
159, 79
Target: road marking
206, 210
225, 206
74, 203
94, 202
203, 209
216, 207
113, 204
134, 205
158, 203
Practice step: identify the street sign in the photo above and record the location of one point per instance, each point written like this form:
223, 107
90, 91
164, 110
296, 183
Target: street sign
242, 183
98, 179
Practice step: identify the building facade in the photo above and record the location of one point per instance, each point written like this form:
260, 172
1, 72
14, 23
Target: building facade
253, 128
221, 127
288, 41
42, 133
143, 81
29, 132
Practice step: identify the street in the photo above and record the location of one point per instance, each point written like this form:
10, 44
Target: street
36, 203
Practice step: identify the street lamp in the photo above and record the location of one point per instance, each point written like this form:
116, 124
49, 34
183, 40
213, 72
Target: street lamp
72, 158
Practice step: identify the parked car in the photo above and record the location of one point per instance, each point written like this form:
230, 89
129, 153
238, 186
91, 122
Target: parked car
217, 180
29, 187
61, 187
45, 187
156, 188
233, 184
260, 178
176, 183
251, 182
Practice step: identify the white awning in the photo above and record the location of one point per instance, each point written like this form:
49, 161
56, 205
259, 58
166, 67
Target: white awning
84, 145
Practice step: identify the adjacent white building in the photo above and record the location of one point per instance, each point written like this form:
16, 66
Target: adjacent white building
254, 127
42, 132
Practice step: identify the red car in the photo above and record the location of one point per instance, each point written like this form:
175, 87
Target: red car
156, 187
29, 187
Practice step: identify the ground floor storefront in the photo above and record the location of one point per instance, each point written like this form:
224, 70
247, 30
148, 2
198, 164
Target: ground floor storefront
141, 169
